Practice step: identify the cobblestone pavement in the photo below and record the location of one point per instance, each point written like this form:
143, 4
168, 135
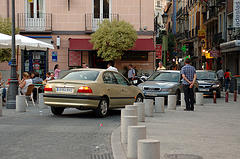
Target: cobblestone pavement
37, 134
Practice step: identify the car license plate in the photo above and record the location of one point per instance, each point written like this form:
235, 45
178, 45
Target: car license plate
64, 90
151, 94
203, 90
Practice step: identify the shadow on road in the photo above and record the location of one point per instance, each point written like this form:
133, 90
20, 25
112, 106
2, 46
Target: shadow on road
87, 114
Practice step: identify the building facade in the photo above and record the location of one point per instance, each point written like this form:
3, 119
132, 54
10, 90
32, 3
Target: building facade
68, 25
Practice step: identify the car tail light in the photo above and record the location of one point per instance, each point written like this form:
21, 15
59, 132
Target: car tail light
84, 89
48, 88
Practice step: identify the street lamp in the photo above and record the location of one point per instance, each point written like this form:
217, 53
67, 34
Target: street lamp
164, 38
13, 83
230, 31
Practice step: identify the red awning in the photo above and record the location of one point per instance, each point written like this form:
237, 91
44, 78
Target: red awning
80, 44
85, 45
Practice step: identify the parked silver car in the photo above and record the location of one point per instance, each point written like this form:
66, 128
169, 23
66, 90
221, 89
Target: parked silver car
162, 84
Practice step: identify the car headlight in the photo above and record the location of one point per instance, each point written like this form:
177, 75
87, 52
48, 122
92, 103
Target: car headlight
166, 89
216, 85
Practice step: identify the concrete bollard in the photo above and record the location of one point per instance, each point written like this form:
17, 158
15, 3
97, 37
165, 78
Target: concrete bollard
159, 104
214, 97
1, 103
148, 107
148, 149
183, 104
135, 133
140, 111
127, 121
172, 102
199, 98
128, 112
20, 103
235, 95
131, 107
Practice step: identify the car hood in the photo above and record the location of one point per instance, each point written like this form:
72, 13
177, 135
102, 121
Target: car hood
158, 84
204, 82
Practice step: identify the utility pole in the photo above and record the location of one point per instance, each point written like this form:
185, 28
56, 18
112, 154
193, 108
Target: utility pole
13, 83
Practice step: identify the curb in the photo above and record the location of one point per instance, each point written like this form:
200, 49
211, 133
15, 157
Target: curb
117, 147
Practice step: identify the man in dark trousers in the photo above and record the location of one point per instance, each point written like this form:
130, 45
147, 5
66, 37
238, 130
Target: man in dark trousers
189, 76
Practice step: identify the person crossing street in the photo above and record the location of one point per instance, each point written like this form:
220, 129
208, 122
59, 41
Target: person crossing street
189, 76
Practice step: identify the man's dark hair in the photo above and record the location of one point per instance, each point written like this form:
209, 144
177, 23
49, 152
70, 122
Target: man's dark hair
37, 74
130, 65
227, 70
48, 73
187, 61
111, 63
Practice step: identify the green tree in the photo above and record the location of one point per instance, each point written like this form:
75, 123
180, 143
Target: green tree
113, 38
5, 28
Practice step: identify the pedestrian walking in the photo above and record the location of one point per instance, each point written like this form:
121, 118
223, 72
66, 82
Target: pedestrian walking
220, 75
131, 72
189, 76
56, 71
227, 78
111, 67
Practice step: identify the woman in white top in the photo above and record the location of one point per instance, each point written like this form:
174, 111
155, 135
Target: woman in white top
24, 83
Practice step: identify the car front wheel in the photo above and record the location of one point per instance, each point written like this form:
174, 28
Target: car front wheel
57, 110
102, 108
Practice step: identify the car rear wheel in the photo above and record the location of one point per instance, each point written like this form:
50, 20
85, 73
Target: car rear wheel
139, 98
57, 110
102, 108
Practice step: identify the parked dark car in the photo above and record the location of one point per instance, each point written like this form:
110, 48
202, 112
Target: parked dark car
208, 82
162, 84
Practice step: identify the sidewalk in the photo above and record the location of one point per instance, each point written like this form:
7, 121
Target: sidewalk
212, 131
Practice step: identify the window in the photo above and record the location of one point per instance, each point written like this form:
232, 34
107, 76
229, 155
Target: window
120, 79
35, 8
82, 75
158, 3
135, 56
108, 78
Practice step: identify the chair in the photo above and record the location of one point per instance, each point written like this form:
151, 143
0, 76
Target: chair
29, 94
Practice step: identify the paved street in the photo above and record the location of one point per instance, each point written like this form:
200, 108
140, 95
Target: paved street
40, 135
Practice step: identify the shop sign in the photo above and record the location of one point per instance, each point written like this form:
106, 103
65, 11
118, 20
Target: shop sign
201, 33
236, 13
158, 51
208, 55
54, 56
30, 1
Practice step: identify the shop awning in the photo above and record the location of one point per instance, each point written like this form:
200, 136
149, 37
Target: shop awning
85, 45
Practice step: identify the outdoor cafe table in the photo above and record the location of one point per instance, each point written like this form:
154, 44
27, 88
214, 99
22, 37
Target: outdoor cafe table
37, 86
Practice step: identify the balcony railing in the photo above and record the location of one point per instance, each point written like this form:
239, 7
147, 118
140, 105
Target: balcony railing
92, 21
34, 22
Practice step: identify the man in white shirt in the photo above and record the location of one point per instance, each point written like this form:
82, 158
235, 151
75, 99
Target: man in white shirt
111, 68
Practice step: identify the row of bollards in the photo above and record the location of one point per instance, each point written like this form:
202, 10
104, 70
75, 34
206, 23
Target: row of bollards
135, 135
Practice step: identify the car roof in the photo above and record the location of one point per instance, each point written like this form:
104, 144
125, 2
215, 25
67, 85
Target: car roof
205, 71
88, 69
169, 71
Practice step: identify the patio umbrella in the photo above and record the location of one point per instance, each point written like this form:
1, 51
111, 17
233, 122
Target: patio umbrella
31, 44
5, 40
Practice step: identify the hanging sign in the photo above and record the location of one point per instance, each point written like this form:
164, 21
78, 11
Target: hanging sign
158, 51
236, 13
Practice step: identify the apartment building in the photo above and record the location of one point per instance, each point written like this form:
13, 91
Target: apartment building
68, 24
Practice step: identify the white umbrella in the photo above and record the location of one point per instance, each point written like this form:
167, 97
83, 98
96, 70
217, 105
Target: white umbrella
32, 44
23, 42
5, 40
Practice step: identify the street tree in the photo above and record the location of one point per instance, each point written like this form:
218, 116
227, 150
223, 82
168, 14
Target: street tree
113, 38
5, 28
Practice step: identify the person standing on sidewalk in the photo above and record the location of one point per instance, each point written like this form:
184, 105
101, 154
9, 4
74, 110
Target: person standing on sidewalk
227, 76
189, 76
131, 72
56, 71
220, 75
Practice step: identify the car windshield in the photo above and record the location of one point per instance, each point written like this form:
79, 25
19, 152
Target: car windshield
165, 76
206, 75
82, 75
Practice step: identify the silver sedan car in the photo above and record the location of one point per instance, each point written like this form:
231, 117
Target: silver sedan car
162, 84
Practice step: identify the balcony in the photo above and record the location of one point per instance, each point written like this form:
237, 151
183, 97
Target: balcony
34, 22
92, 21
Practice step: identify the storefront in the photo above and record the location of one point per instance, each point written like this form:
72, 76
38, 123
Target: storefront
141, 55
231, 55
